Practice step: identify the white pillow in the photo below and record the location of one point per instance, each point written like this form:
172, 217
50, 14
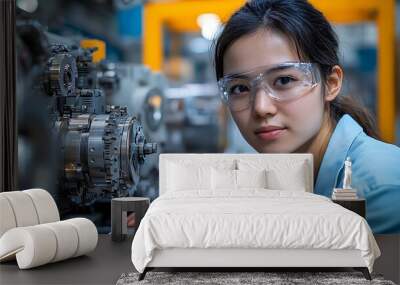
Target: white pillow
183, 177
224, 179
293, 178
251, 178
281, 174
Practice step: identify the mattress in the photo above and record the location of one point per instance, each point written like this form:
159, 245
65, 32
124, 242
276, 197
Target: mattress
251, 219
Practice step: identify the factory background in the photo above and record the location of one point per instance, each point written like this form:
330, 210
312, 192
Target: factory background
104, 86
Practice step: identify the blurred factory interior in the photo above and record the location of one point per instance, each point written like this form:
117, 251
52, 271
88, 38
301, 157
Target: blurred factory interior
139, 76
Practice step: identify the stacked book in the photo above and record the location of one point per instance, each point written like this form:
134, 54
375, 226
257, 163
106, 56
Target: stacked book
344, 194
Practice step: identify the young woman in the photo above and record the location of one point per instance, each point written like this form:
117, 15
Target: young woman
278, 71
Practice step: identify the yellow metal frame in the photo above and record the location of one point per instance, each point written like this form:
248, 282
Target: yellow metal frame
100, 53
181, 16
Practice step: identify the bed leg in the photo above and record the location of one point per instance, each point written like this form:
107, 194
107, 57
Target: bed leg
364, 271
142, 275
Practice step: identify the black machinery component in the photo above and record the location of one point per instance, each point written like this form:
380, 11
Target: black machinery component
102, 146
72, 143
102, 154
142, 91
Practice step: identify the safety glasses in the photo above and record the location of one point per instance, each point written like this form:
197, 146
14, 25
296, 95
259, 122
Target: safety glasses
282, 82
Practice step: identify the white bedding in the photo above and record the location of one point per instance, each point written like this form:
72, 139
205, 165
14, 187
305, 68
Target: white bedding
251, 218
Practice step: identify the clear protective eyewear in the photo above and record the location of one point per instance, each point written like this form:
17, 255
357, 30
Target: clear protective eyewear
282, 82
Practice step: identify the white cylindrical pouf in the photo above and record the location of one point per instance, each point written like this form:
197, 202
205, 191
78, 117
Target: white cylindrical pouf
45, 205
87, 235
7, 217
66, 237
34, 245
23, 207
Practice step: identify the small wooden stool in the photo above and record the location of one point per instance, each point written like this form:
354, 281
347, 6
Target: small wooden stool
120, 207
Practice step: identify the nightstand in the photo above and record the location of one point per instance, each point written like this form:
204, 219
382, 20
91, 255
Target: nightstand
357, 205
120, 208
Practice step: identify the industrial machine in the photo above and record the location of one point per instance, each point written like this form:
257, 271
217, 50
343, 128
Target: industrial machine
86, 151
142, 91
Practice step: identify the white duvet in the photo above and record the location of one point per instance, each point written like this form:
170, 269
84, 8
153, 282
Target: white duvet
250, 218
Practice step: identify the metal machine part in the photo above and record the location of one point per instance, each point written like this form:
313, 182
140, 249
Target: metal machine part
62, 75
102, 154
71, 143
102, 147
142, 91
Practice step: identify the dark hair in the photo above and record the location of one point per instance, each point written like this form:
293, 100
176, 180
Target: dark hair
312, 35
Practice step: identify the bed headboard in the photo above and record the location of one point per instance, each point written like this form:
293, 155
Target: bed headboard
269, 160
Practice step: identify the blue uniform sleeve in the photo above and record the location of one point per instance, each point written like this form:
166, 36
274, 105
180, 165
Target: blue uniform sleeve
383, 209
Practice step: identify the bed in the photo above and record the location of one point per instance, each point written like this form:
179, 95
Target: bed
245, 211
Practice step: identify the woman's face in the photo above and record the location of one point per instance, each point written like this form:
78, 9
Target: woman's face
299, 120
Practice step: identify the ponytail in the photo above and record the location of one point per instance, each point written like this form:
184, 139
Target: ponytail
349, 105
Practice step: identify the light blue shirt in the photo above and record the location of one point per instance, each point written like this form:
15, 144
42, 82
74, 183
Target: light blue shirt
375, 173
